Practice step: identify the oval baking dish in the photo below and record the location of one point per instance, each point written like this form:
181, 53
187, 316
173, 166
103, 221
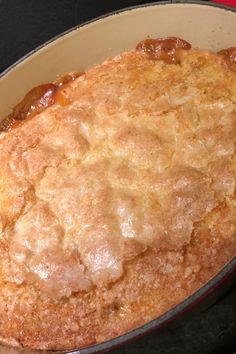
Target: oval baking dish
75, 50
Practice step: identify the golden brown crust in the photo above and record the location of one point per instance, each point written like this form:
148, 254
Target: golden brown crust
116, 196
229, 56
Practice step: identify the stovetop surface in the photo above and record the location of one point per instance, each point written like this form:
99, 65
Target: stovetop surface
23, 26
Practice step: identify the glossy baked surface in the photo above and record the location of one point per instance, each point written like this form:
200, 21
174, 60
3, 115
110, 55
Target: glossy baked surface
117, 201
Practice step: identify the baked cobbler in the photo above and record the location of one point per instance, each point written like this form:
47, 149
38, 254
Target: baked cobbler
117, 194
